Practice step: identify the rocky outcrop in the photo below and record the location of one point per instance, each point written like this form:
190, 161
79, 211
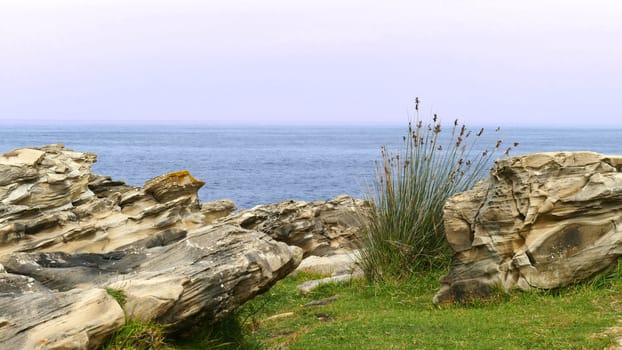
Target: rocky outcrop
68, 236
540, 221
50, 201
320, 228
203, 276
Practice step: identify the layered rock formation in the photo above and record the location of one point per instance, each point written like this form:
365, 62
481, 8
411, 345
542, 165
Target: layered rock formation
67, 235
320, 228
541, 221
50, 201
328, 232
204, 276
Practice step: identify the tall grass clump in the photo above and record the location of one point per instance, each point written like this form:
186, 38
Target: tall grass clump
404, 232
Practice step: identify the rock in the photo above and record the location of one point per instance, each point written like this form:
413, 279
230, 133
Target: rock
332, 264
50, 201
173, 185
320, 228
67, 235
203, 276
217, 209
75, 319
541, 221
308, 286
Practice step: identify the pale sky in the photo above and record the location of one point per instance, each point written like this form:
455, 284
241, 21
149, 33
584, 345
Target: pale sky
544, 62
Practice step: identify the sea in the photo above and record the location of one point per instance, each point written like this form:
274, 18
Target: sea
268, 164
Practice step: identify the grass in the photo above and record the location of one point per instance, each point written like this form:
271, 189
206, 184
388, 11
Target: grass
134, 334
118, 295
400, 315
137, 335
404, 234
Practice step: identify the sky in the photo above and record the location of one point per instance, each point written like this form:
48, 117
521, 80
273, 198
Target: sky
311, 62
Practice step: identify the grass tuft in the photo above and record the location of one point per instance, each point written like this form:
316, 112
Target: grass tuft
118, 295
404, 234
137, 335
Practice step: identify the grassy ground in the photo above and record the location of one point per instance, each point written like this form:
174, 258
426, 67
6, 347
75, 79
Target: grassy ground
401, 316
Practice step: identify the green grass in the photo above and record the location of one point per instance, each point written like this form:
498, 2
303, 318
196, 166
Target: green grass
401, 315
137, 335
118, 295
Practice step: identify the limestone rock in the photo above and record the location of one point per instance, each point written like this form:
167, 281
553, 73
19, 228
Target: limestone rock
542, 221
320, 228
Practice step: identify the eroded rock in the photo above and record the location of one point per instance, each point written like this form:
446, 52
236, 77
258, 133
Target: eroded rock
173, 185
542, 221
66, 235
50, 201
204, 276
75, 319
217, 209
320, 228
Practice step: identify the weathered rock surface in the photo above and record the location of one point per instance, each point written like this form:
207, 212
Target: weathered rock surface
66, 235
217, 209
201, 277
75, 319
50, 201
542, 221
320, 228
337, 264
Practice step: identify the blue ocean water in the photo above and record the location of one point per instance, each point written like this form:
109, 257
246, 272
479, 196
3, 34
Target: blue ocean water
259, 165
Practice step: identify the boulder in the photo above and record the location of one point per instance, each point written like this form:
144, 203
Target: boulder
69, 237
203, 276
337, 264
75, 319
173, 185
542, 221
320, 228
